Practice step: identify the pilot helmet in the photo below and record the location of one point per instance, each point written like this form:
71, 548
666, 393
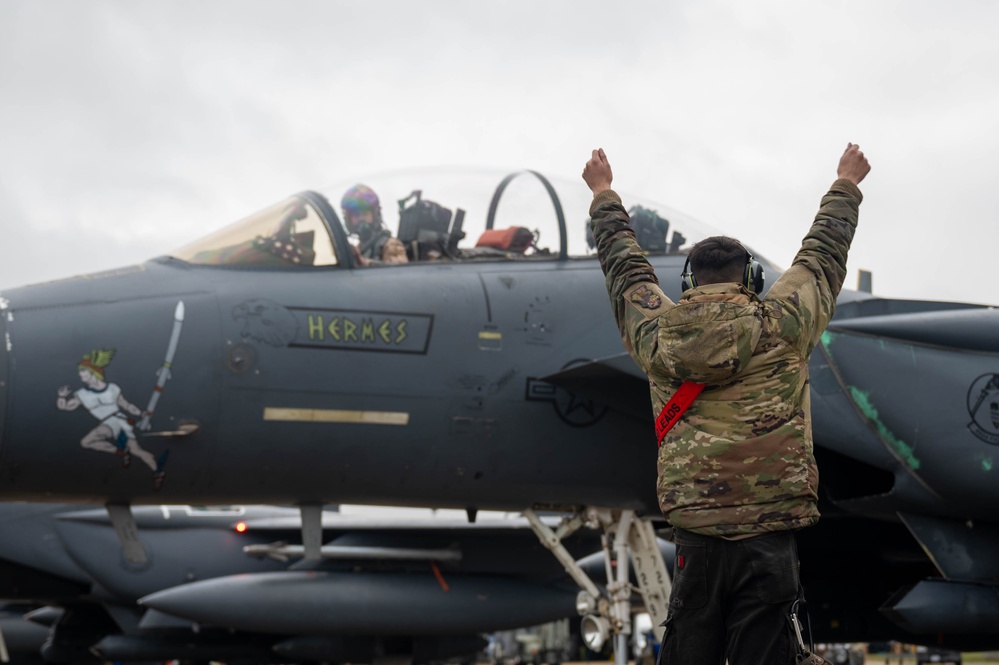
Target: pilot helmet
356, 201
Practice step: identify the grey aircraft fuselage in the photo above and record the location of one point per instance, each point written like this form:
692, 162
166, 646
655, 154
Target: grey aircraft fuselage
434, 384
496, 382
407, 385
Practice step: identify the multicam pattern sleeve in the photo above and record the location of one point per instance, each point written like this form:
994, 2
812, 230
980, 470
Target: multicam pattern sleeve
634, 290
810, 286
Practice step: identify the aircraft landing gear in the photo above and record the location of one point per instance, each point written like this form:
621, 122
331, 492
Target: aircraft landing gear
627, 541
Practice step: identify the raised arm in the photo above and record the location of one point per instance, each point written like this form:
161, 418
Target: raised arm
810, 286
635, 296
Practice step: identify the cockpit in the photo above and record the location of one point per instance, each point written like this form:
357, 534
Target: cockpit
292, 233
438, 216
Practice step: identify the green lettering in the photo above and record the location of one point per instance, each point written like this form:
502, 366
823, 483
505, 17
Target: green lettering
349, 330
335, 328
316, 327
400, 331
367, 331
385, 331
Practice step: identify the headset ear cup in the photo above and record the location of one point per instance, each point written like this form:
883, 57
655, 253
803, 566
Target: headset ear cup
755, 277
687, 280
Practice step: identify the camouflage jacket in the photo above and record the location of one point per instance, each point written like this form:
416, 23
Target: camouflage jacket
740, 460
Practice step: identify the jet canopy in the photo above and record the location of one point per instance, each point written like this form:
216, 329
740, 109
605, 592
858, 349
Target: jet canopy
439, 215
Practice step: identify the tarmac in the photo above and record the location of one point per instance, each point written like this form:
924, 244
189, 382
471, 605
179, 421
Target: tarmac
877, 659
910, 659
991, 658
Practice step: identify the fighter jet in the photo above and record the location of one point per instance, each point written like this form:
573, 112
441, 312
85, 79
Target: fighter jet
263, 363
232, 584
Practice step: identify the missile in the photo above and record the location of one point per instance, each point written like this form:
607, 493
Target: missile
17, 635
126, 648
328, 603
46, 616
283, 551
942, 606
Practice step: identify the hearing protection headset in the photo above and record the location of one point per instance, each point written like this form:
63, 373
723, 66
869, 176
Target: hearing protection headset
752, 278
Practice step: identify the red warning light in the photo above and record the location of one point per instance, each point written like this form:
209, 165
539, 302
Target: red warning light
240, 527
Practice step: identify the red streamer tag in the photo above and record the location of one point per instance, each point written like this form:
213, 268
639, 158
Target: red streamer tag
678, 403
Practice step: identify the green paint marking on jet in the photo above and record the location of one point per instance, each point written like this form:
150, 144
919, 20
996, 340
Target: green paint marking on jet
827, 339
904, 450
987, 464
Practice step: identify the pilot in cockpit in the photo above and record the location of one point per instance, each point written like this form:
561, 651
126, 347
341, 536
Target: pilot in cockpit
362, 215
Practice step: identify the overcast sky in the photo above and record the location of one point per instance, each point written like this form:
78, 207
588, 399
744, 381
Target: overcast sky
130, 127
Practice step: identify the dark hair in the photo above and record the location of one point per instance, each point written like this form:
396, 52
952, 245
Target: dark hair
718, 259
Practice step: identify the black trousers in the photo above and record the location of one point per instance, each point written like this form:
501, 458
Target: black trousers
731, 599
